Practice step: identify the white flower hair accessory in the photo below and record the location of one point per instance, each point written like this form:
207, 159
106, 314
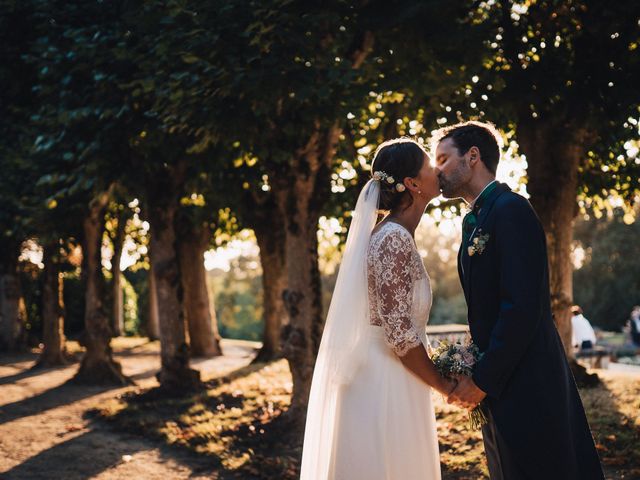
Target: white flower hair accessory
384, 176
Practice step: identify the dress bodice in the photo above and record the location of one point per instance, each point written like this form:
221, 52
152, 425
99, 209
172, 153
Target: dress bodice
398, 286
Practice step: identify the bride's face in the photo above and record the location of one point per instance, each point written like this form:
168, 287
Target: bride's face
427, 179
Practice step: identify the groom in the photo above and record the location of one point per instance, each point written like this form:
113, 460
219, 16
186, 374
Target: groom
537, 428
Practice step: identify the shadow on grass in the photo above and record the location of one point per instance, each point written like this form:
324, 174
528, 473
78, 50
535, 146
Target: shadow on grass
142, 348
233, 422
25, 363
239, 425
613, 411
461, 448
33, 369
63, 394
91, 453
18, 357
71, 459
30, 372
275, 446
235, 374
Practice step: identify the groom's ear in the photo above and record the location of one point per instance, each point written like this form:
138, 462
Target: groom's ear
473, 154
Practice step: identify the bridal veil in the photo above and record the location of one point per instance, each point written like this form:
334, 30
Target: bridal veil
345, 339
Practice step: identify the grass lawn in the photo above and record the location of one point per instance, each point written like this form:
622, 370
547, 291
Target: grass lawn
237, 421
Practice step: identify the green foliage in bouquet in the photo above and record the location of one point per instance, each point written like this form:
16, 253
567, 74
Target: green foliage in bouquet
455, 359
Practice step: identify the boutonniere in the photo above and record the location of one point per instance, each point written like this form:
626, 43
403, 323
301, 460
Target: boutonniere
478, 244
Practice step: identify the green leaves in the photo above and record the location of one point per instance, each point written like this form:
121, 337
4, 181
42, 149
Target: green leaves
218, 80
189, 58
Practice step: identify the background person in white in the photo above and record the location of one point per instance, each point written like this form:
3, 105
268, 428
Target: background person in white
634, 324
583, 335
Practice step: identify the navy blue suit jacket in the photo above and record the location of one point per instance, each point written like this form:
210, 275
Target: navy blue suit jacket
536, 414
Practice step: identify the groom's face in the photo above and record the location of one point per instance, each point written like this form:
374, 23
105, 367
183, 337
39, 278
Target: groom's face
452, 168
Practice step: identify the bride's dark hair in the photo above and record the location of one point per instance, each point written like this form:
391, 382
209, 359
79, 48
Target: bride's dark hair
400, 158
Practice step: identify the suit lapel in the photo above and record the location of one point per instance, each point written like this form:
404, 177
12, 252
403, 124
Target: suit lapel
466, 265
482, 216
461, 273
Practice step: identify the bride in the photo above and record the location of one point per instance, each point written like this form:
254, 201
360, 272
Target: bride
370, 414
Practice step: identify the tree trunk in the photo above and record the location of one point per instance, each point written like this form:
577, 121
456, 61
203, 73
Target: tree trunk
300, 198
303, 301
553, 162
204, 339
12, 318
118, 297
552, 157
153, 324
271, 237
98, 365
175, 373
54, 351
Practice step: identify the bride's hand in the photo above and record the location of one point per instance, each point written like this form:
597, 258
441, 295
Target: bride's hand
448, 386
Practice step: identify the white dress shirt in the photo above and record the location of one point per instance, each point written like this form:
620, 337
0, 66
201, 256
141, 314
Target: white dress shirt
581, 331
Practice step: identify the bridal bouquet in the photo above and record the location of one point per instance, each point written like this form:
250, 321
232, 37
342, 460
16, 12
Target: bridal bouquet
453, 359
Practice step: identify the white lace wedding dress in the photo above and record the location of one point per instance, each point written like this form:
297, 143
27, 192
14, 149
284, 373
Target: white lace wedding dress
385, 428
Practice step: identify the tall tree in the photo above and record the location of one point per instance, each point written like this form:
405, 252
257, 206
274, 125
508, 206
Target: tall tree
162, 195
298, 142
81, 147
16, 105
271, 237
97, 364
118, 216
53, 338
204, 339
293, 131
204, 215
12, 316
562, 75
318, 66
152, 328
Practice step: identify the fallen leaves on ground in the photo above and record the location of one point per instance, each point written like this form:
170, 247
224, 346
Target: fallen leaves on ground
239, 422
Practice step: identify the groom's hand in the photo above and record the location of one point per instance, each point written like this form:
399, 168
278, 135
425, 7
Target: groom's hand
466, 394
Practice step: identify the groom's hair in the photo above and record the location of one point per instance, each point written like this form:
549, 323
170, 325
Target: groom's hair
482, 135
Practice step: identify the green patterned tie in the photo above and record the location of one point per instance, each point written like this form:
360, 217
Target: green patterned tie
470, 220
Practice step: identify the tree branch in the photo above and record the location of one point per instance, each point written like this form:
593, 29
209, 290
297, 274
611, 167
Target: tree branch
366, 46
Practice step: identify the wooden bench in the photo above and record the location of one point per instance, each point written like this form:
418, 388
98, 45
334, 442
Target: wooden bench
598, 356
451, 333
624, 351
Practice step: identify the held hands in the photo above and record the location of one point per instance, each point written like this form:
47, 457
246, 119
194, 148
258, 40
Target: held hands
466, 394
447, 386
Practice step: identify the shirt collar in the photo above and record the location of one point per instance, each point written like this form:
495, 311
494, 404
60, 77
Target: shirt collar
472, 204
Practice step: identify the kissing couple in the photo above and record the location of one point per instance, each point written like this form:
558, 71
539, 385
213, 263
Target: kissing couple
370, 413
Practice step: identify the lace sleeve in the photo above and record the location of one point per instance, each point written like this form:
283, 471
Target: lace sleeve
395, 291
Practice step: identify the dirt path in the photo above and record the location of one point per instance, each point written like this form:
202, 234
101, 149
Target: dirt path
44, 432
